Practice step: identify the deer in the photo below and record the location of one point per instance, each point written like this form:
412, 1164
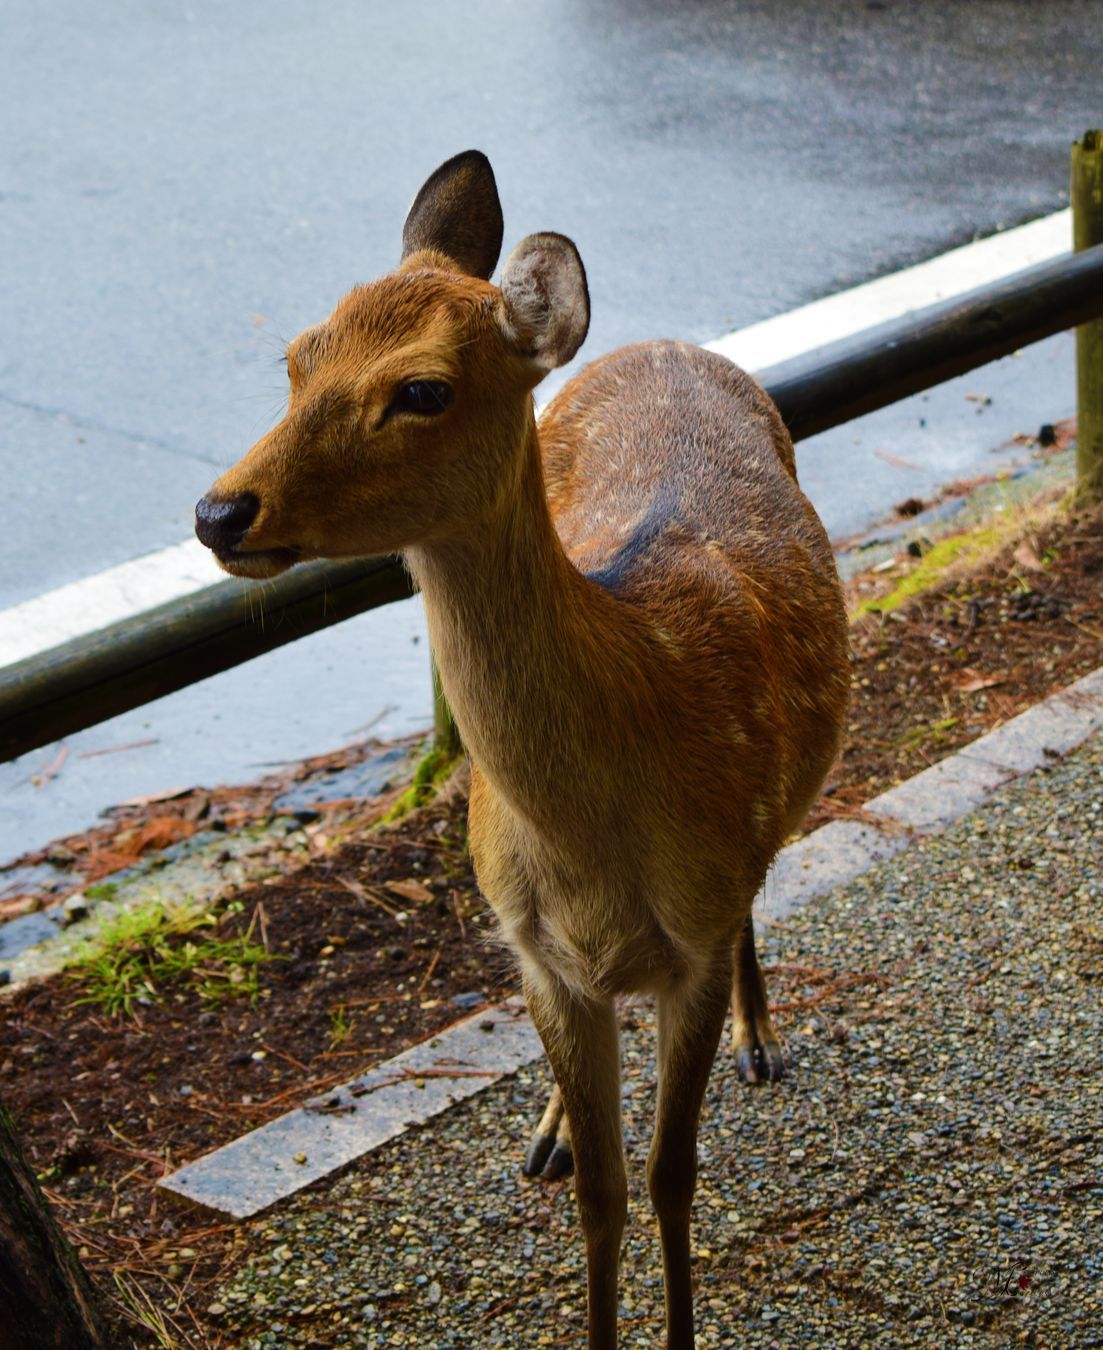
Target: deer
638, 626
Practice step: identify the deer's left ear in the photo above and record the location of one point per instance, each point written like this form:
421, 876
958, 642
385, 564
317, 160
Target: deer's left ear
457, 213
546, 304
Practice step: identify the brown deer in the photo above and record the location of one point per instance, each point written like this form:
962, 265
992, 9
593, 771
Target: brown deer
637, 622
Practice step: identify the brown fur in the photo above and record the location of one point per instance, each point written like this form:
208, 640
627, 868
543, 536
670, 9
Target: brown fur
638, 626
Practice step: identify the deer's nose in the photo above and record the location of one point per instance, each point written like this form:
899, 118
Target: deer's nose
221, 522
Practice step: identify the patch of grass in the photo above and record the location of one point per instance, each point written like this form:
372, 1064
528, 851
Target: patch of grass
432, 770
135, 956
102, 890
138, 1305
923, 733
340, 1025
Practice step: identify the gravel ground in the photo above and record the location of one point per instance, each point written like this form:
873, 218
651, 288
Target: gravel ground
931, 1171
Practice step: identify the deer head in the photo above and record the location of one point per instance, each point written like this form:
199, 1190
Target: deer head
409, 404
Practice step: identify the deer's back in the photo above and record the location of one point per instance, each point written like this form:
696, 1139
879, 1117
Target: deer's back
672, 483
665, 442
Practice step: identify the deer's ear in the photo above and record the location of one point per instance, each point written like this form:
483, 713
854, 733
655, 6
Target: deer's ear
457, 213
546, 305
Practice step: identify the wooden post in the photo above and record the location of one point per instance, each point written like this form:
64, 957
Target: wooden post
46, 1302
446, 737
1087, 230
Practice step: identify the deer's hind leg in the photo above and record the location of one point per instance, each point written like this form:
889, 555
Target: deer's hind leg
690, 1023
580, 1038
550, 1155
755, 1044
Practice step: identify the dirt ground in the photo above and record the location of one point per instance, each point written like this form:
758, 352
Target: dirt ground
381, 938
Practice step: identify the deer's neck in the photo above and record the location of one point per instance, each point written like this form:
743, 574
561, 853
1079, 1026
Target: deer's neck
527, 665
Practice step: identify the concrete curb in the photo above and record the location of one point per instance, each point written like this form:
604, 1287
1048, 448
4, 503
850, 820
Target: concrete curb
280, 1158
288, 1153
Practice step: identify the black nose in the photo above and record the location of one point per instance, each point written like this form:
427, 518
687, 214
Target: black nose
221, 523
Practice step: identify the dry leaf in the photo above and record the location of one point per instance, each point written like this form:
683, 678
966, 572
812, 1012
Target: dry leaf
411, 889
1026, 556
969, 681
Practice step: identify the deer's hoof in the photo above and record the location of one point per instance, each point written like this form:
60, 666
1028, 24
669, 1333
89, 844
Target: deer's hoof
560, 1163
539, 1151
547, 1159
760, 1063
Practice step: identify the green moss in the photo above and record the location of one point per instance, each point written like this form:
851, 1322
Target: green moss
103, 890
932, 567
434, 767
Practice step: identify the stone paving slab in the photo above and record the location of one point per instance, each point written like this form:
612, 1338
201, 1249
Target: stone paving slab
290, 1152
831, 856
938, 796
1046, 731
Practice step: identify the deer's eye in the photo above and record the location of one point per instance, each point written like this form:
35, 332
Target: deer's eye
425, 397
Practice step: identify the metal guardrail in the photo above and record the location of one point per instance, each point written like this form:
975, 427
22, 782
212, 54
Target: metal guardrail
92, 678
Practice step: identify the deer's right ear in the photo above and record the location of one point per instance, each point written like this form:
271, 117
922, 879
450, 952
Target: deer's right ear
546, 302
457, 213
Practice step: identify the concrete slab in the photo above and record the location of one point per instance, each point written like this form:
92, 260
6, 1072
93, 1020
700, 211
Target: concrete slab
936, 797
1049, 729
289, 1153
832, 856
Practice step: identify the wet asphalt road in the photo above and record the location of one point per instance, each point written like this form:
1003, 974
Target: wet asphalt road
183, 188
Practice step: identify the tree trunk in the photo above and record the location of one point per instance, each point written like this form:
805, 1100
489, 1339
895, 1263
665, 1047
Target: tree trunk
45, 1298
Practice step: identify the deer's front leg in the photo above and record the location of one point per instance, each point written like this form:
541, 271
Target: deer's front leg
550, 1154
755, 1044
690, 1023
580, 1037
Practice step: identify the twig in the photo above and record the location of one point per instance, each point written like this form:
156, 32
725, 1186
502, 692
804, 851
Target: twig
117, 749
406, 1074
151, 1158
348, 1054
52, 769
363, 893
429, 973
318, 1085
1083, 627
836, 987
280, 1054
498, 1307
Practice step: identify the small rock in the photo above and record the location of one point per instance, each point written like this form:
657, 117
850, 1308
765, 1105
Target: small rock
469, 1000
76, 907
217, 1310
433, 1293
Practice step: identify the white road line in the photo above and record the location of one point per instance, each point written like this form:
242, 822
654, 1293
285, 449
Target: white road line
95, 601
842, 315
